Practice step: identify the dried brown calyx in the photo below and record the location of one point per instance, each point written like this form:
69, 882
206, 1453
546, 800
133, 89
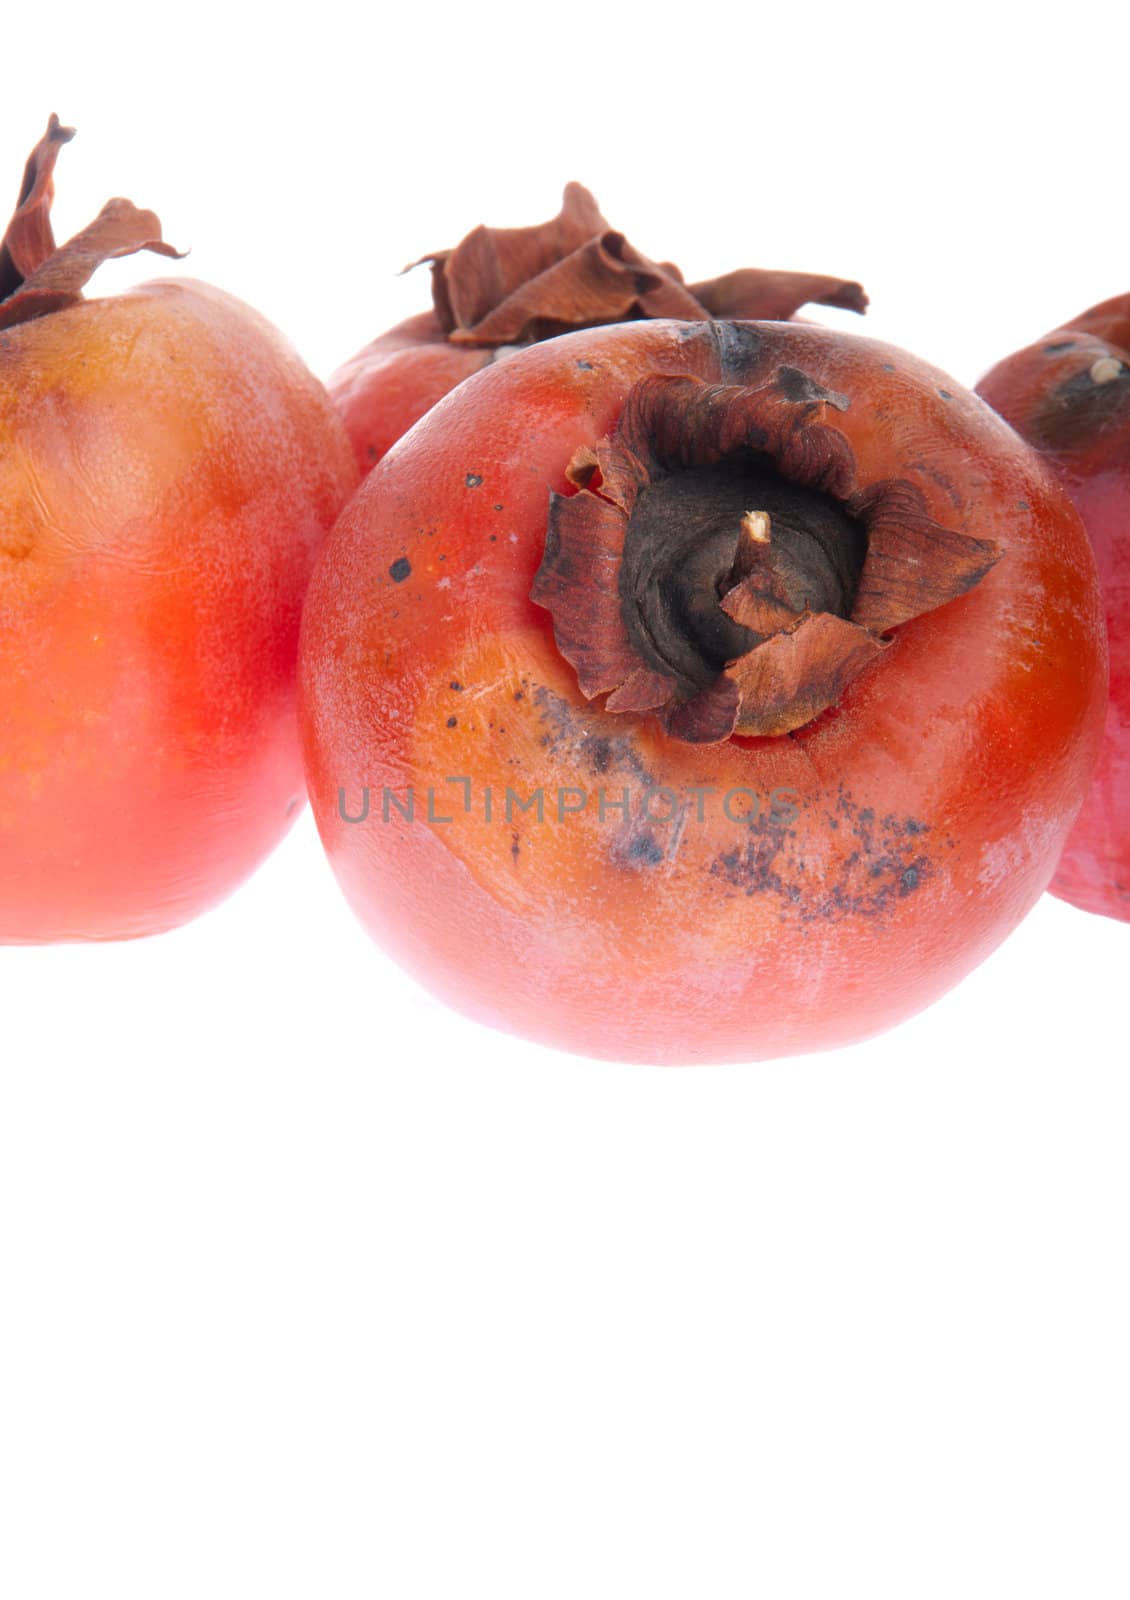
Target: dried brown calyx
37, 276
517, 285
720, 566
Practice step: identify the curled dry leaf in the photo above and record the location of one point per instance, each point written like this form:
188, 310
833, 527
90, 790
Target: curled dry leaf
513, 285
37, 276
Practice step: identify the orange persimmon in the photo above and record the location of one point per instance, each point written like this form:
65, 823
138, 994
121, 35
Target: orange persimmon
702, 691
1068, 395
168, 468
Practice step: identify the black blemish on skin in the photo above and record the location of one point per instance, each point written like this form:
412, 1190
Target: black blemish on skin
737, 344
752, 868
400, 569
515, 846
798, 388
371, 452
519, 694
884, 867
494, 538
453, 722
600, 754
888, 367
1058, 349
1022, 505
643, 851
570, 731
585, 366
945, 394
456, 685
500, 508
473, 480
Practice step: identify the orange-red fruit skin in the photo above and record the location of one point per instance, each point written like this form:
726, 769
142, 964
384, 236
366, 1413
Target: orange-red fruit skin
168, 469
933, 800
1090, 454
395, 380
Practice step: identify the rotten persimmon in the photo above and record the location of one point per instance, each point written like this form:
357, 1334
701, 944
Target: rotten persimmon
1068, 395
168, 468
701, 691
501, 289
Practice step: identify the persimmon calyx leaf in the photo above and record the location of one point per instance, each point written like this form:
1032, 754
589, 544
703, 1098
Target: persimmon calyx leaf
517, 285
721, 565
38, 276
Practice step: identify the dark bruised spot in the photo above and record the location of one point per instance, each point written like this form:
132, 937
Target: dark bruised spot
456, 685
574, 732
752, 869
1058, 349
945, 394
889, 367
738, 345
371, 452
500, 508
1022, 505
644, 851
519, 694
494, 538
600, 754
453, 722
585, 366
800, 389
869, 882
400, 569
515, 846
473, 480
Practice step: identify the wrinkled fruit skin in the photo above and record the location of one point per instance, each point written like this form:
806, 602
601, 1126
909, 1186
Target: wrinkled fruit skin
168, 468
930, 803
393, 381
1082, 427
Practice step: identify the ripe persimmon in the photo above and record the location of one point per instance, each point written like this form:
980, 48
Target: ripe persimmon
701, 691
1068, 395
168, 468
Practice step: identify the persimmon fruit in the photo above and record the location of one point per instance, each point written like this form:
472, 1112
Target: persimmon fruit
501, 289
687, 691
168, 468
1068, 395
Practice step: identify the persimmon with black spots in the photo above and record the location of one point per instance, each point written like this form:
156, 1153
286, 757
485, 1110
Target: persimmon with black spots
701, 691
1068, 395
168, 468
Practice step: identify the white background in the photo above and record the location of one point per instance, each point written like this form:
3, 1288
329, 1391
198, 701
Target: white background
309, 1288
